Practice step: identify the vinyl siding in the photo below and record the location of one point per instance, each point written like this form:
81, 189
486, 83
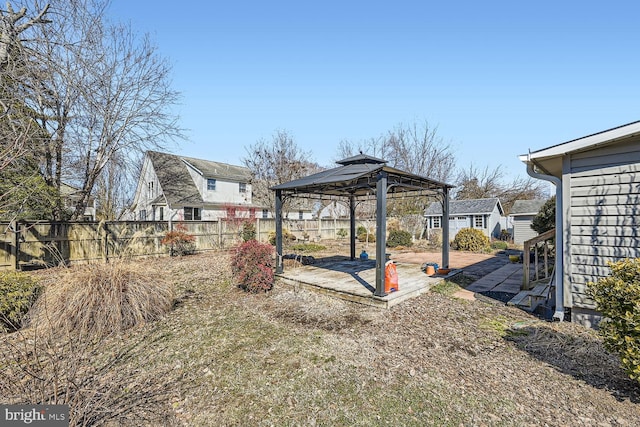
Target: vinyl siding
522, 230
604, 220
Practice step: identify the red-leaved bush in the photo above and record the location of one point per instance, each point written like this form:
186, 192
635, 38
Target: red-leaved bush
179, 241
252, 266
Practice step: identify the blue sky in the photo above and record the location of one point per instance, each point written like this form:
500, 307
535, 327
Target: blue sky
497, 78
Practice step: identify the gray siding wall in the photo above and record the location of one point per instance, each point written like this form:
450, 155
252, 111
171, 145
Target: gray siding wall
522, 230
604, 215
494, 223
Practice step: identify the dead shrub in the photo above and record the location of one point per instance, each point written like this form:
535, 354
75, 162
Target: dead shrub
104, 381
100, 299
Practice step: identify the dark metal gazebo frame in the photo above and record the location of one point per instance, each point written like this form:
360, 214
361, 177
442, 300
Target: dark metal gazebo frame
362, 176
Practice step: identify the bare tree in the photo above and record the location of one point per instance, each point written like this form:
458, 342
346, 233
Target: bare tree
415, 148
125, 107
99, 92
475, 183
274, 162
23, 193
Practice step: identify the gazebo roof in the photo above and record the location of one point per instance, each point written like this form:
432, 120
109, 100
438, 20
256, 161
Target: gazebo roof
357, 176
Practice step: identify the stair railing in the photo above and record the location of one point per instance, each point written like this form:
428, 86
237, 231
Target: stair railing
541, 241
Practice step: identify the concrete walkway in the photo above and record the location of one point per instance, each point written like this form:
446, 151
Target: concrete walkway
507, 279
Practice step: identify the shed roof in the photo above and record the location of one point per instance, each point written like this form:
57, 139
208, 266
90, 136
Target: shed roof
356, 176
527, 207
466, 207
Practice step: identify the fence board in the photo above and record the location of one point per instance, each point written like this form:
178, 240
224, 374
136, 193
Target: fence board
52, 243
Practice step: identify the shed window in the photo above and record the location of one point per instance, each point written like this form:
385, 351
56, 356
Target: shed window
192, 214
243, 187
436, 222
211, 184
479, 221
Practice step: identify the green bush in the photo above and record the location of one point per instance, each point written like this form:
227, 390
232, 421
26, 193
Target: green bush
342, 233
363, 237
252, 266
498, 244
361, 234
18, 292
471, 239
617, 297
248, 231
399, 238
308, 247
287, 236
545, 219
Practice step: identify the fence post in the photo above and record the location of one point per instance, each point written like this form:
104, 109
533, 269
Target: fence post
258, 230
105, 243
15, 248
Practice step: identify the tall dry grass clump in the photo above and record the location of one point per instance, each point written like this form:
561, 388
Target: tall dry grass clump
100, 299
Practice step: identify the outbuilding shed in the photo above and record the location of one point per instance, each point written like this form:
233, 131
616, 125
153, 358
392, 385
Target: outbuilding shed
522, 214
484, 214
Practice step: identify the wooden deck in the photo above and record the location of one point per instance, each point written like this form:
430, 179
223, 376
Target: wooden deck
356, 280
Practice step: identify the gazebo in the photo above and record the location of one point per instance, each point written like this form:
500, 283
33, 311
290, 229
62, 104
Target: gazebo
361, 177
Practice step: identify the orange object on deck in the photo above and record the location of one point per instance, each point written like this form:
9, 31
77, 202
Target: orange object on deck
390, 278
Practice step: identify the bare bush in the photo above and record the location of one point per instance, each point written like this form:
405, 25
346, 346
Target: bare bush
102, 381
101, 299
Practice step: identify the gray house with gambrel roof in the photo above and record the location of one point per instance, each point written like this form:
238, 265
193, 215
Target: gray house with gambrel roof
179, 188
522, 213
484, 214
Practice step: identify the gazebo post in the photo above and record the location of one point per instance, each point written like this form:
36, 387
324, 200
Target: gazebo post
352, 223
445, 228
381, 233
279, 265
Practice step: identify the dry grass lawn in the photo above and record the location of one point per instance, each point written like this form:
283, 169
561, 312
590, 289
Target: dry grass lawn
224, 357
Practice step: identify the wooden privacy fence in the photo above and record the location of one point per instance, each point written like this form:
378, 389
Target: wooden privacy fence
34, 244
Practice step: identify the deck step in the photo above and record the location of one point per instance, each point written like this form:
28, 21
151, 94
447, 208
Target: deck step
521, 299
529, 300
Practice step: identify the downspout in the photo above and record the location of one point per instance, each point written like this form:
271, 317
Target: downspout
559, 313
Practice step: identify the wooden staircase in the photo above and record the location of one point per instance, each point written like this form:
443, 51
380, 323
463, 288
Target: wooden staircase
539, 292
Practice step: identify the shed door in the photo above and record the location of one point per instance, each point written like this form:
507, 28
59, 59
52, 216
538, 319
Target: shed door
457, 223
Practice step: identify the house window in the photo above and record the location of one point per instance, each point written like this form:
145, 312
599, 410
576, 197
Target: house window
150, 187
436, 222
265, 213
243, 187
143, 215
161, 213
300, 215
192, 214
211, 184
479, 221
